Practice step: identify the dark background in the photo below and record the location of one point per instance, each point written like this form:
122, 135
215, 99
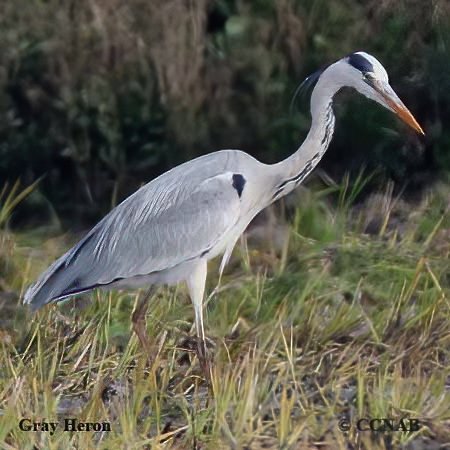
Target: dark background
98, 97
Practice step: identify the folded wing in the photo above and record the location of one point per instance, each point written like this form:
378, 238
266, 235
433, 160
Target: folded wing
155, 229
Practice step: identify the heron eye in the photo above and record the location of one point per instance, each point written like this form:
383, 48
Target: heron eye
369, 77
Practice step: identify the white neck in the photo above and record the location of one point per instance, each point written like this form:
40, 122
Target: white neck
290, 172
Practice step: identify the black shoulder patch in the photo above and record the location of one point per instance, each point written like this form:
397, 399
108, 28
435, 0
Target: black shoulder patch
359, 62
238, 183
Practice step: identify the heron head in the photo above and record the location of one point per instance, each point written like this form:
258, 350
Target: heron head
366, 74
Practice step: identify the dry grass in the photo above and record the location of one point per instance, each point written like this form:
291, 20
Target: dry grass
343, 324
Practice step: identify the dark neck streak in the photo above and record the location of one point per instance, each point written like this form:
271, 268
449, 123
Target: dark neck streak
320, 140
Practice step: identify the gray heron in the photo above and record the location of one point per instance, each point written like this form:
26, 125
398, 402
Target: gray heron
168, 230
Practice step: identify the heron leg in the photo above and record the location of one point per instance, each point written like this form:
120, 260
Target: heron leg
196, 286
139, 323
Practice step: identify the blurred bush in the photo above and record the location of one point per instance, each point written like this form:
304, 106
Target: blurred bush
100, 96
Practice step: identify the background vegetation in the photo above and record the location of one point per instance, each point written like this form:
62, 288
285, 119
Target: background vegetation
100, 96
349, 318
336, 302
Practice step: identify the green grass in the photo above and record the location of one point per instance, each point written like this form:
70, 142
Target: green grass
339, 323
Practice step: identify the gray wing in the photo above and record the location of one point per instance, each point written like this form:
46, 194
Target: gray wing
154, 229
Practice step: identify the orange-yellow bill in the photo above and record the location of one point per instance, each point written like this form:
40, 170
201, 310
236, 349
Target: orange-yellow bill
396, 105
403, 112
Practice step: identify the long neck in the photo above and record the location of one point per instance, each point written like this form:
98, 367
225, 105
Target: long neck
290, 172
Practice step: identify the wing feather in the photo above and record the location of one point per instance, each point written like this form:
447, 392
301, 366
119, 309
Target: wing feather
153, 230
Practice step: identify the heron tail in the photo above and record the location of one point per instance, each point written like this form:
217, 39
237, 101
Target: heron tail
62, 279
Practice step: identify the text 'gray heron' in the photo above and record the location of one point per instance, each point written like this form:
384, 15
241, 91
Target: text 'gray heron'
168, 230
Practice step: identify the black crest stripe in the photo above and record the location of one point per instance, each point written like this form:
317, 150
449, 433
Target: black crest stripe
360, 62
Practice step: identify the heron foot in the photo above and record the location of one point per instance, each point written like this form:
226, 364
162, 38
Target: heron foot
204, 359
